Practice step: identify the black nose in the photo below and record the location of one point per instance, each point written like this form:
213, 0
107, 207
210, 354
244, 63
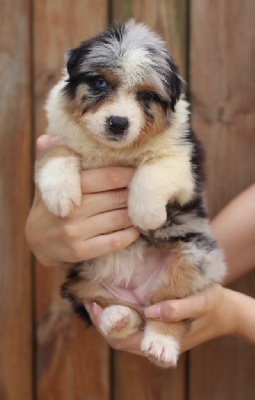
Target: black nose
117, 125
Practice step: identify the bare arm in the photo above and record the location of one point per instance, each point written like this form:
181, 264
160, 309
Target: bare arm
234, 228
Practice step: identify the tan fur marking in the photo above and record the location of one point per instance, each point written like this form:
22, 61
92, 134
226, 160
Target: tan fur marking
154, 128
53, 152
110, 78
177, 280
177, 330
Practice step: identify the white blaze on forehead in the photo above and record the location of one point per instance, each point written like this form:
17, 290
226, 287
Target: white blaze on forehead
137, 62
137, 68
138, 56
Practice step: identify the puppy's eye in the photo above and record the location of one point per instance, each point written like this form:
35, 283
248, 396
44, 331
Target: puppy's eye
147, 96
100, 83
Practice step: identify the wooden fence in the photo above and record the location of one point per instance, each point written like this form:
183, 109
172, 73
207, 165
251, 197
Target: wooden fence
45, 353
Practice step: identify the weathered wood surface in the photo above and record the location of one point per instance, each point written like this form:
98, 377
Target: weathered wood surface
16, 341
66, 362
223, 103
72, 362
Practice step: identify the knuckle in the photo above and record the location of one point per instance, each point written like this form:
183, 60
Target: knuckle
113, 177
75, 252
117, 242
119, 196
204, 302
119, 219
69, 231
170, 310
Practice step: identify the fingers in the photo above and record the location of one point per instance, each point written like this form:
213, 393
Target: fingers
100, 245
99, 224
95, 311
97, 203
44, 142
103, 179
177, 310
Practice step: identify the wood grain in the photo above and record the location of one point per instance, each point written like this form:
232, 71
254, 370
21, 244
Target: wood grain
135, 377
169, 18
16, 334
223, 103
72, 362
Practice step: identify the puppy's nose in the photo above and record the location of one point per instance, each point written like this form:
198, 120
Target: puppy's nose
117, 125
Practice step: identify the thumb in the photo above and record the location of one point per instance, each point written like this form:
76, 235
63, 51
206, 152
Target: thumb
177, 310
45, 142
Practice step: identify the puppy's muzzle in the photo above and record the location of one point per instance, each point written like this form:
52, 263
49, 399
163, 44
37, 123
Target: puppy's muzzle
117, 125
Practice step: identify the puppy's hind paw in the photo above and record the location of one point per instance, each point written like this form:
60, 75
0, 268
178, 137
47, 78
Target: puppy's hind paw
161, 349
119, 321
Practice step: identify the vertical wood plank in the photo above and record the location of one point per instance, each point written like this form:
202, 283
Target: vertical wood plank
72, 362
169, 18
135, 377
223, 103
16, 336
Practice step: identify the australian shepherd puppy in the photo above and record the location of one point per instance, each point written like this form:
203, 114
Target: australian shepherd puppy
120, 103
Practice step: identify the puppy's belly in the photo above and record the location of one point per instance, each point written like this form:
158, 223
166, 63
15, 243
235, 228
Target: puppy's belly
145, 275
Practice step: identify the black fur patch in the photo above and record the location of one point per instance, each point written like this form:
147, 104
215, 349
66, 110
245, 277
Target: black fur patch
78, 307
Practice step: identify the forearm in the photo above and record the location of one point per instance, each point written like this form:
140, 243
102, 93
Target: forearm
234, 227
244, 314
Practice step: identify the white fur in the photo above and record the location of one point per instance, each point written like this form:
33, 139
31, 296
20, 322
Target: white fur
117, 268
119, 321
161, 348
59, 183
154, 184
124, 105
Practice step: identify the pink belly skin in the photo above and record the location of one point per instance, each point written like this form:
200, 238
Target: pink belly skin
143, 279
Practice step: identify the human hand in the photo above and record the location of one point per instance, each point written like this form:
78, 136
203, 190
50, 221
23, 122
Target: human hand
210, 311
99, 226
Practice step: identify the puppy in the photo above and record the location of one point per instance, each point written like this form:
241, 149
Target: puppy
120, 103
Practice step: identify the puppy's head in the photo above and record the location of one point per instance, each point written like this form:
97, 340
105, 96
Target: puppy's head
123, 85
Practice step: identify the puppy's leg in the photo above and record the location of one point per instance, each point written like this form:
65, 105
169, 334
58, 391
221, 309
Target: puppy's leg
57, 174
154, 184
120, 321
193, 266
161, 342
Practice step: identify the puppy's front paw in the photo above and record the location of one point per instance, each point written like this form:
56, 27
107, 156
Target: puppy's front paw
119, 321
59, 183
163, 350
148, 216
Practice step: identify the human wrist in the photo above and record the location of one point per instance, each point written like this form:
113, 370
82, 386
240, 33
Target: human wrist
231, 311
244, 310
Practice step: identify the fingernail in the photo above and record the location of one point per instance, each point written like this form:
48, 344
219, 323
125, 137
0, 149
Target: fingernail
94, 308
87, 306
153, 311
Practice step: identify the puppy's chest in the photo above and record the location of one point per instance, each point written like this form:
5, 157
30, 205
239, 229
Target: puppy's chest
96, 159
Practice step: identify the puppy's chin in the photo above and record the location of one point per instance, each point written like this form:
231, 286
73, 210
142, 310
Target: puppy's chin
118, 141
113, 141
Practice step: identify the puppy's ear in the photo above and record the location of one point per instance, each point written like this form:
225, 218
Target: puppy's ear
177, 86
73, 58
